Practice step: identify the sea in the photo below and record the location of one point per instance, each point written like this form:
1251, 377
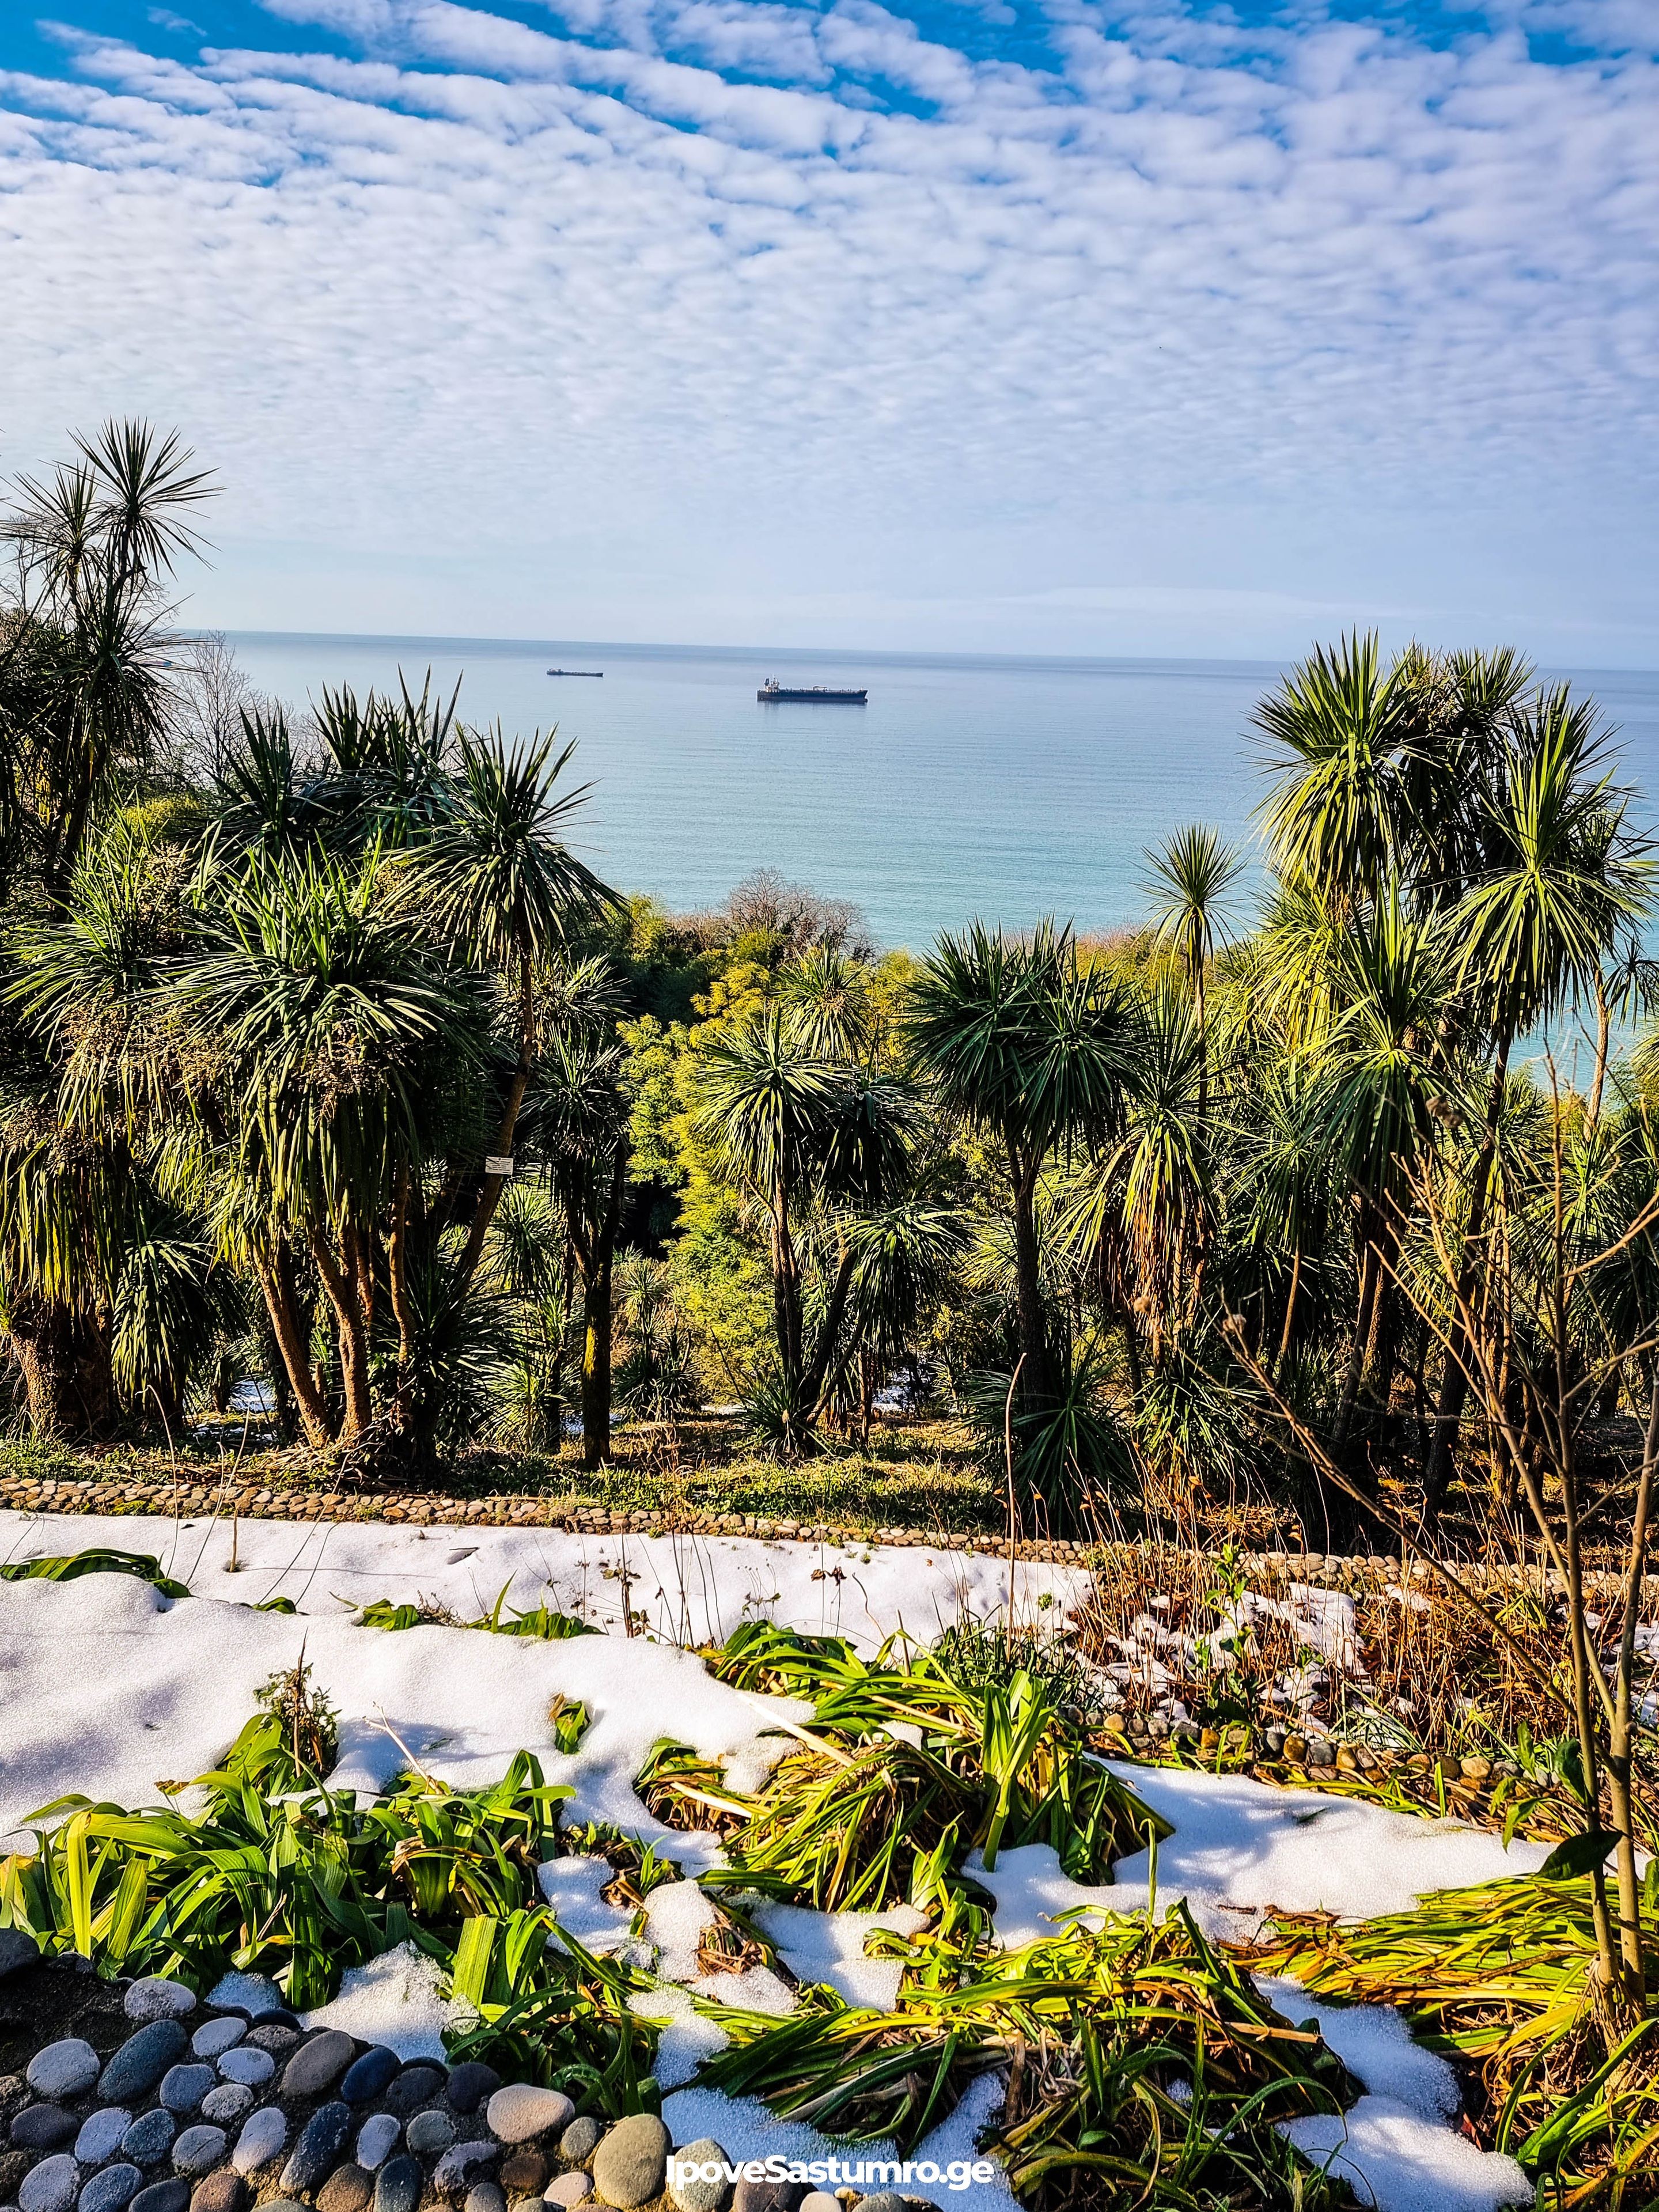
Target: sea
1002, 788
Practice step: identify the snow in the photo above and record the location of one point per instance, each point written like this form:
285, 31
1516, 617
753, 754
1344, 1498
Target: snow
828, 1947
396, 1999
694, 1589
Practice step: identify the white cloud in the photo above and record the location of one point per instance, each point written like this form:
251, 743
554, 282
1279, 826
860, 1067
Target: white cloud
663, 309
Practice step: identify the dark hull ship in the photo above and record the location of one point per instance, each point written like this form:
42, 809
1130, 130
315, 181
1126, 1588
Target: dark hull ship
808, 693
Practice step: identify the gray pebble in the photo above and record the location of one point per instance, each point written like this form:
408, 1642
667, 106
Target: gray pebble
273, 2038
215, 2036
701, 2196
112, 2190
317, 2064
451, 2174
226, 2105
884, 2200
149, 2138
42, 2127
317, 2153
470, 2083
161, 2196
366, 2077
158, 1997
101, 2135
224, 2191
580, 2140
198, 2150
65, 2068
261, 2139
521, 2111
430, 2133
142, 2061
569, 2189
399, 2184
52, 2186
415, 2086
819, 2200
377, 2139
17, 1950
485, 2197
628, 2166
247, 2065
773, 2196
183, 2088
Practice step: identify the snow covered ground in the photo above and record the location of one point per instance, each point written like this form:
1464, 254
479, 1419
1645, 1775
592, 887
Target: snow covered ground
107, 1688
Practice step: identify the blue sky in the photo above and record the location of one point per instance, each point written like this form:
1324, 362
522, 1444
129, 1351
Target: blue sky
1031, 325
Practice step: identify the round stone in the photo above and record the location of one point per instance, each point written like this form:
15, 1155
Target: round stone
485, 2197
777, 2197
377, 2139
316, 2065
579, 2140
430, 2133
226, 2105
317, 2153
820, 2199
52, 2186
161, 2196
142, 2061
348, 2189
18, 1949
66, 2068
223, 2191
521, 2111
524, 2175
198, 2150
157, 1997
112, 2190
274, 2038
470, 2083
183, 2088
399, 2184
367, 2077
214, 2037
252, 2067
42, 2127
149, 2138
884, 2200
569, 2189
415, 2086
101, 2135
695, 2194
452, 2175
628, 2164
262, 2137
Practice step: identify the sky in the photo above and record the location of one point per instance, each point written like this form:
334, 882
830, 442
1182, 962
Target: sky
1000, 325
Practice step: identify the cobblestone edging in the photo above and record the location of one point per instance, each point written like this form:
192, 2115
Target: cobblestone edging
420, 1509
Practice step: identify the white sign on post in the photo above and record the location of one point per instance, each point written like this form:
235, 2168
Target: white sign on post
498, 1164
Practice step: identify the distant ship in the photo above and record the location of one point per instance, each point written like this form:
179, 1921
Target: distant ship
811, 694
576, 671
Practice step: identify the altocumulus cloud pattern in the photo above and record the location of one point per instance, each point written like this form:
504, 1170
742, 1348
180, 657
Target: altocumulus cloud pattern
637, 274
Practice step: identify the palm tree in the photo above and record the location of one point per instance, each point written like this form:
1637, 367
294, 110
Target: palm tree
1191, 874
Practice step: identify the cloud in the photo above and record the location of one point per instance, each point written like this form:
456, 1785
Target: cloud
647, 301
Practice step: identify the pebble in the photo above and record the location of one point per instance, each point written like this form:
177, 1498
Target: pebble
376, 2141
252, 2067
415, 2086
321, 2140
348, 2189
223, 2191
161, 2196
263, 2136
524, 2175
819, 2200
784, 2197
274, 2038
42, 2127
198, 2150
485, 2197
367, 2077
628, 2163
428, 2133
149, 2138
883, 2200
215, 2036
579, 2140
317, 2064
399, 2184
17, 1950
52, 2186
701, 2196
470, 2083
569, 2189
101, 2135
521, 2110
157, 1997
142, 2060
449, 2176
226, 2105
63, 2068
112, 2190
183, 2088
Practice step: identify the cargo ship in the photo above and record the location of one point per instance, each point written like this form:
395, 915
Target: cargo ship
576, 671
772, 692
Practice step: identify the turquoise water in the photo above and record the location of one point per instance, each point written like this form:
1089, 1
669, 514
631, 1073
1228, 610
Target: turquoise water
1004, 788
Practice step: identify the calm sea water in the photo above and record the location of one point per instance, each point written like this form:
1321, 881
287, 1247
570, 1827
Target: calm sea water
1004, 788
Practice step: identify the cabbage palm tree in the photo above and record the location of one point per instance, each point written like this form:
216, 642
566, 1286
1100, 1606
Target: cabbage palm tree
1191, 875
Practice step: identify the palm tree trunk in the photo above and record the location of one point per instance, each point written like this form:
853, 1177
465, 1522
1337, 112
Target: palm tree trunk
340, 1282
1360, 1346
276, 1276
63, 1357
494, 1182
1290, 1313
597, 1256
1454, 1379
1028, 1286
